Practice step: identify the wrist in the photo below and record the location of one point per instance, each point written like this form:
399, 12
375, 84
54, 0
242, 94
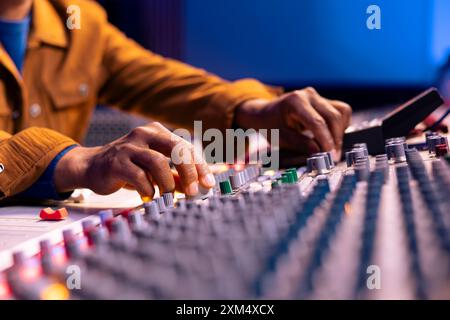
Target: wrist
249, 112
71, 170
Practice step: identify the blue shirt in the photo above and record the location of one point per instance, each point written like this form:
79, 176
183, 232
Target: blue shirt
45, 188
13, 36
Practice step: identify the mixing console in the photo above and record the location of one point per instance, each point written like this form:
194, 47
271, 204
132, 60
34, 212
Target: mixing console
366, 228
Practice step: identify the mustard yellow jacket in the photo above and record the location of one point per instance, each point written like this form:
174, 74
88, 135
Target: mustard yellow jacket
67, 72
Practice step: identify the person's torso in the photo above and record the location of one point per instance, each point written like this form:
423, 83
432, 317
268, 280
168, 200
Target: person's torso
60, 78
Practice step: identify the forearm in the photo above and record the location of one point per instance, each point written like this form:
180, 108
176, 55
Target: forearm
45, 187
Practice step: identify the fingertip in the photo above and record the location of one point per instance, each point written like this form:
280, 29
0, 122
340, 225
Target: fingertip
146, 193
336, 155
146, 198
208, 180
191, 189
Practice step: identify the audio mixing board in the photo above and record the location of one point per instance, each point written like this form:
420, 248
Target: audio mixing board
365, 228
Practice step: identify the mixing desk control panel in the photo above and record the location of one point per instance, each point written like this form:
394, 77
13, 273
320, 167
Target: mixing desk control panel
365, 228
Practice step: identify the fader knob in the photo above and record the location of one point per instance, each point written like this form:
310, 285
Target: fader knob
287, 177
396, 152
117, 226
317, 164
235, 181
242, 177
363, 146
68, 235
168, 199
87, 225
135, 219
45, 247
434, 141
151, 209
293, 171
352, 155
395, 140
97, 236
161, 204
428, 135
105, 215
225, 187
328, 158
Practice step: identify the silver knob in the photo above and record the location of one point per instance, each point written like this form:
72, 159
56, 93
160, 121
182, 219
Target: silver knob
328, 158
396, 152
236, 181
168, 199
317, 164
352, 155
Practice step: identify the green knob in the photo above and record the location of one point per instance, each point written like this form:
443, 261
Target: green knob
286, 178
289, 177
225, 187
294, 173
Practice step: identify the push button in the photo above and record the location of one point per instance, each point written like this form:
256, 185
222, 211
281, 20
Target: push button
35, 110
84, 90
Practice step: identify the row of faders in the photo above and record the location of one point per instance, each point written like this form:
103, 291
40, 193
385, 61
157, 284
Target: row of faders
232, 180
383, 231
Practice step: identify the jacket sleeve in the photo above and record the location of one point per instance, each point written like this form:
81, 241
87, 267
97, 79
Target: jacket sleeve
169, 91
25, 156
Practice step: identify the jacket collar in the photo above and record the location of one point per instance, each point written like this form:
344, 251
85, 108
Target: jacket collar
47, 26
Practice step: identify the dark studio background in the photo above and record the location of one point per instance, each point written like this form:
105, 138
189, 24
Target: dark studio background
292, 43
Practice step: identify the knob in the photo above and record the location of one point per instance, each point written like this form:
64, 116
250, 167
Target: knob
161, 204
151, 209
105, 215
135, 219
287, 177
328, 158
168, 199
396, 152
428, 135
117, 226
317, 164
395, 140
435, 140
293, 171
236, 180
225, 187
68, 235
45, 247
352, 155
97, 236
363, 146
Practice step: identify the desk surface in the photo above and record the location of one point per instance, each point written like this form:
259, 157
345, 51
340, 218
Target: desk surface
21, 229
